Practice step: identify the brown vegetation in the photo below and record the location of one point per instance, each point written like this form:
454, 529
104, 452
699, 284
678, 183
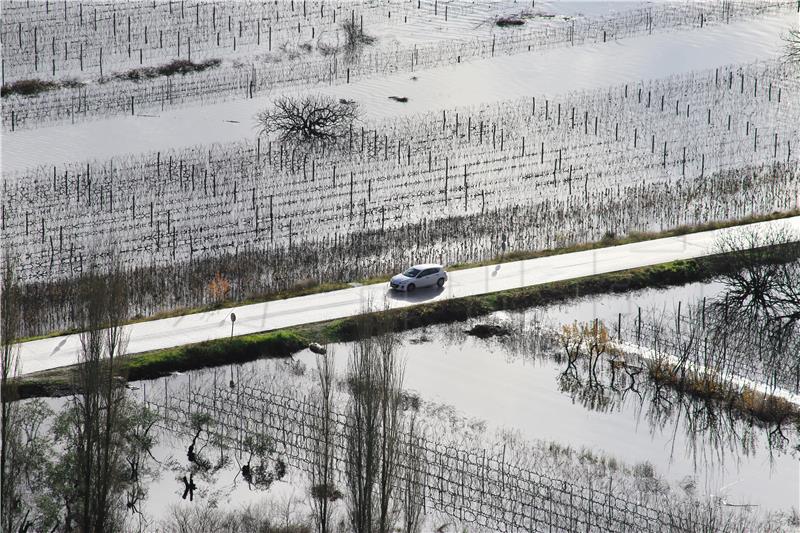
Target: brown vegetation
744, 400
178, 66
219, 288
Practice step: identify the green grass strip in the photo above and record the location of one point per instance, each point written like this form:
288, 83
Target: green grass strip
285, 342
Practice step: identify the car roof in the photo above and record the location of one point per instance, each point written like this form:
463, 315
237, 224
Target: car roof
426, 265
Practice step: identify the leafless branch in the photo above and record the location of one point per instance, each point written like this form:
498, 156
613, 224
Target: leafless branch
793, 46
312, 119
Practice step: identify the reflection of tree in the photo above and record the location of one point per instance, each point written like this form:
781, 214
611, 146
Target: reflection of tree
29, 450
591, 394
138, 456
759, 311
323, 490
259, 471
375, 378
14, 510
585, 345
601, 380
197, 454
262, 474
711, 430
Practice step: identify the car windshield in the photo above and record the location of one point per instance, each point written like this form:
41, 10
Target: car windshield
411, 273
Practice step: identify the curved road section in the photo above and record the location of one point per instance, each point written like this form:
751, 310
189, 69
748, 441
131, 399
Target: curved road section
54, 352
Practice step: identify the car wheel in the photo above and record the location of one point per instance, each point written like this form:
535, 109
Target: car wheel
411, 287
440, 282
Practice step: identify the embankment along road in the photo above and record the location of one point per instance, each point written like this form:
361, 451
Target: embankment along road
53, 352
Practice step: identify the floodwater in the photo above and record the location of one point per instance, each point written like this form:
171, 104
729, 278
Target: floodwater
547, 72
488, 381
495, 385
512, 390
484, 380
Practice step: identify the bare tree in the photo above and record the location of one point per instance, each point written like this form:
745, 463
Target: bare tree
323, 490
96, 422
311, 119
362, 436
765, 280
390, 375
373, 434
412, 479
10, 504
793, 46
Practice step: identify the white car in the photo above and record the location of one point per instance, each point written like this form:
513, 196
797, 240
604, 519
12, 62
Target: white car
419, 276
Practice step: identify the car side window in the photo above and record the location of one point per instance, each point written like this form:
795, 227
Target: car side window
427, 272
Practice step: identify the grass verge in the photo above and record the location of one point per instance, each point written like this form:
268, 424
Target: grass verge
305, 288
283, 343
149, 365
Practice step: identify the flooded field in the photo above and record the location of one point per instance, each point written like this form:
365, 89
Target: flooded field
196, 160
548, 73
516, 389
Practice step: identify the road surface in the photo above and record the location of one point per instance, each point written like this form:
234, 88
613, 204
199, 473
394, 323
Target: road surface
54, 352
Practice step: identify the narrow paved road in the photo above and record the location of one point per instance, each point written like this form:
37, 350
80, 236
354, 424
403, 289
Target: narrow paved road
60, 351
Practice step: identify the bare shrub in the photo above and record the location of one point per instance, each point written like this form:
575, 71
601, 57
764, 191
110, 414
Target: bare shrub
355, 38
28, 87
258, 519
219, 288
504, 22
311, 119
328, 43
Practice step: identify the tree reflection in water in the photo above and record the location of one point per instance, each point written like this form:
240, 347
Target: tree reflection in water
597, 377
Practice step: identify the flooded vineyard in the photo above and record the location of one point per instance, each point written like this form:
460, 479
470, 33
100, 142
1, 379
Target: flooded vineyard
503, 416
400, 266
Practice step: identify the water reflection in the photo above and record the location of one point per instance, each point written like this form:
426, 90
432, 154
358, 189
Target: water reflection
712, 432
196, 464
522, 383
